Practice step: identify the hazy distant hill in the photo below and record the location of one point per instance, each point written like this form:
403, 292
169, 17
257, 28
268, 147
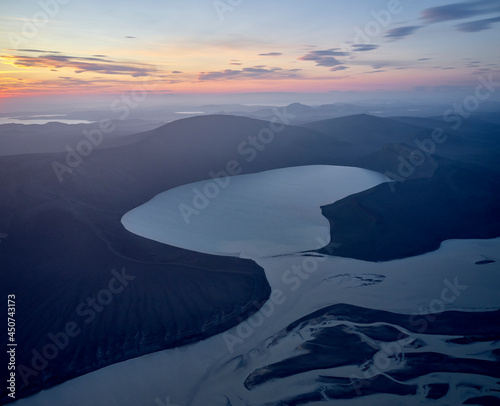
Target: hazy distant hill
368, 133
301, 113
16, 139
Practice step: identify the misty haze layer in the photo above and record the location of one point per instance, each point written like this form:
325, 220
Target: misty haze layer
269, 213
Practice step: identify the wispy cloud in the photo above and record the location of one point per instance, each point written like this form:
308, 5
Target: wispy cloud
79, 64
77, 84
271, 54
402, 32
363, 47
377, 64
461, 10
324, 57
34, 50
338, 68
453, 11
479, 25
328, 58
248, 73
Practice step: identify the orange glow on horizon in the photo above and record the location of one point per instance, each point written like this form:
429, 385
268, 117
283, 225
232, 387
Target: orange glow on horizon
34, 81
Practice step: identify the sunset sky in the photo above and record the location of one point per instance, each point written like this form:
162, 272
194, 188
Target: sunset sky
75, 47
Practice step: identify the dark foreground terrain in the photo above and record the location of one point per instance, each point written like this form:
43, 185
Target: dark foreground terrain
89, 293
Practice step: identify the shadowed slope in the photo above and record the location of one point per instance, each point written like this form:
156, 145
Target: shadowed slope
459, 201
